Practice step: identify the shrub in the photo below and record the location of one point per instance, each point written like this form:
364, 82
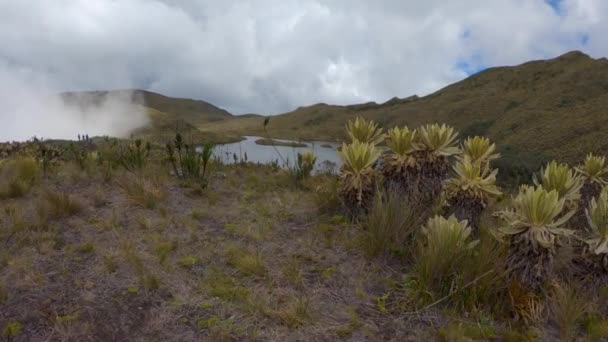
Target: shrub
187, 162
399, 168
561, 178
479, 149
357, 175
437, 145
597, 237
304, 165
533, 225
134, 156
471, 189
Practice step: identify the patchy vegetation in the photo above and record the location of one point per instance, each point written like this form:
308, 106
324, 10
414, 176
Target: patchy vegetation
412, 241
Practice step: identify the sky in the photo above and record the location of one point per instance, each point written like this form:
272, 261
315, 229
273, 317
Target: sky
271, 56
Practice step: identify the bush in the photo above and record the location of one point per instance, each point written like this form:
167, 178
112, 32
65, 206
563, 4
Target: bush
134, 156
187, 162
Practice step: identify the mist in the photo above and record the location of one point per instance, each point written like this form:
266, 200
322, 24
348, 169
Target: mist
32, 105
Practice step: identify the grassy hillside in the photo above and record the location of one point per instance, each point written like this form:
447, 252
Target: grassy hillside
195, 112
163, 126
543, 109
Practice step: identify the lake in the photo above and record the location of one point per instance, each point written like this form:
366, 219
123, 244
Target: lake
327, 156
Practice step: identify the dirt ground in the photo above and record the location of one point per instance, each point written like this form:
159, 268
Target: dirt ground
247, 259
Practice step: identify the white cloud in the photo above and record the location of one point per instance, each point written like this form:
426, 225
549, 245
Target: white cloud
271, 56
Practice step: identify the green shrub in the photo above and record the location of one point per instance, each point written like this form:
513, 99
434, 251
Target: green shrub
134, 156
187, 162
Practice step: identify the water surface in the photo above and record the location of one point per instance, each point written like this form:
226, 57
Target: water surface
252, 152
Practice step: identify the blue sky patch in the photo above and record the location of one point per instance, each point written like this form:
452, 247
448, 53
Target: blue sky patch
556, 5
469, 67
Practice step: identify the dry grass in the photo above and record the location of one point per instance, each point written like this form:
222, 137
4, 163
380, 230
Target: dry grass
246, 261
59, 204
250, 258
391, 225
568, 305
17, 176
144, 192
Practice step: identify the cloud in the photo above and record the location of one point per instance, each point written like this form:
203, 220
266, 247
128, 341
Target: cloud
32, 106
271, 56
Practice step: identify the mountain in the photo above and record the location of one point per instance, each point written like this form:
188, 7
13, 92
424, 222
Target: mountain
166, 114
535, 111
195, 112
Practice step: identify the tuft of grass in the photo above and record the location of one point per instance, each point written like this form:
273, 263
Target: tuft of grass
568, 304
327, 273
85, 248
465, 332
391, 224
150, 282
17, 177
59, 204
109, 262
145, 193
12, 329
246, 261
162, 248
226, 288
3, 294
354, 323
196, 214
293, 271
326, 194
485, 271
188, 261
596, 328
208, 323
442, 252
298, 313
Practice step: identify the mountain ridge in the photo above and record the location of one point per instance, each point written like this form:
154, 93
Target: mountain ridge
538, 103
